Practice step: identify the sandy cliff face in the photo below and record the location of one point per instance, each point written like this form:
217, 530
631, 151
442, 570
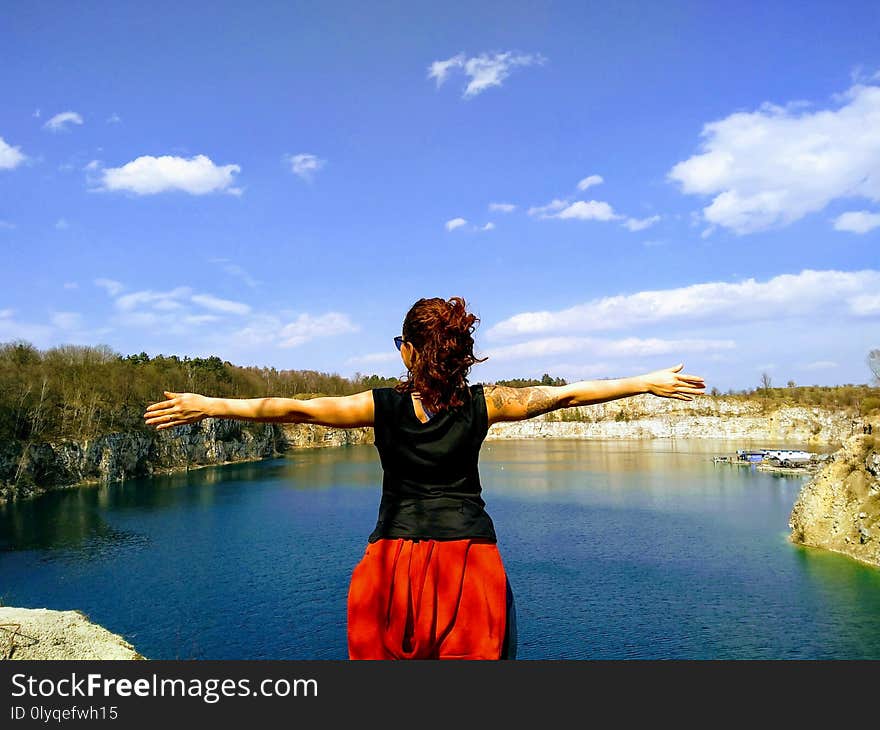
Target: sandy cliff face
839, 508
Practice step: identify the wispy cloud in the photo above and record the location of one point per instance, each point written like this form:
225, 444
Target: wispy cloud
10, 157
636, 224
588, 182
235, 270
305, 165
858, 221
267, 329
483, 71
501, 207
597, 347
221, 305
114, 118
112, 286
374, 357
66, 320
841, 293
151, 175
63, 121
451, 225
773, 166
61, 224
820, 365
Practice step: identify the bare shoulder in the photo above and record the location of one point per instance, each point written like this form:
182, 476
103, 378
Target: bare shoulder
505, 403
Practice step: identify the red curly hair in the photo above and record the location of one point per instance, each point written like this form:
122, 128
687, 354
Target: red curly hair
442, 333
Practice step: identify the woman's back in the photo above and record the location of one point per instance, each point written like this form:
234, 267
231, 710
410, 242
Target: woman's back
431, 484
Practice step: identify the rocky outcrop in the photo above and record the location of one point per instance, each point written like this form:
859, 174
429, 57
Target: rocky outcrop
30, 469
646, 416
39, 633
839, 508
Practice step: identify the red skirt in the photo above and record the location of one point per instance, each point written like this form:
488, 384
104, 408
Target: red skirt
429, 599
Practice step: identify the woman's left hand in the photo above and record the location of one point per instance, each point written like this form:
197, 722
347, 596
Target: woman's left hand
179, 409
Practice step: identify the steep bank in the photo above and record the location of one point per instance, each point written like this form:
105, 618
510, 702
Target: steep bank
27, 470
646, 416
40, 633
30, 469
839, 508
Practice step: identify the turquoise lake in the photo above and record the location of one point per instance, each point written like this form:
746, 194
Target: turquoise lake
614, 550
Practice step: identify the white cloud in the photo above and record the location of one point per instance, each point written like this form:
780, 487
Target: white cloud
451, 225
61, 122
501, 207
588, 182
114, 118
820, 365
150, 175
163, 300
36, 114
488, 227
843, 293
484, 71
374, 357
268, 329
593, 210
10, 157
553, 205
626, 347
635, 224
61, 224
112, 286
305, 165
857, 221
221, 305
93, 165
66, 320
6, 312
865, 305
771, 167
200, 319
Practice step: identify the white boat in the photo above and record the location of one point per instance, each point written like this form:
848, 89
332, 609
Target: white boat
788, 456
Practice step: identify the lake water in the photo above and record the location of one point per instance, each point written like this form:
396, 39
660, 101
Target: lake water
614, 549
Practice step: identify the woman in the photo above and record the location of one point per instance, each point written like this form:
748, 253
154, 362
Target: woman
431, 583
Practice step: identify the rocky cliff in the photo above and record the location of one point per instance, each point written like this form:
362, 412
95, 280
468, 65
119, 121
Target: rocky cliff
646, 416
30, 469
839, 508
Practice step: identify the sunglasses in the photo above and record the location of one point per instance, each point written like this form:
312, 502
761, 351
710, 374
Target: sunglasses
399, 341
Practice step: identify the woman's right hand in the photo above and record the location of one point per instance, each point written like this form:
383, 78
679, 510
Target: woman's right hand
671, 383
177, 410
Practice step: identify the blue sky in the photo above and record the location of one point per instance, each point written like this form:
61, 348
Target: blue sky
613, 187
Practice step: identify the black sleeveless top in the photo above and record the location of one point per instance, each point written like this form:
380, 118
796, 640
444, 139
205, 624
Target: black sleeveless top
431, 483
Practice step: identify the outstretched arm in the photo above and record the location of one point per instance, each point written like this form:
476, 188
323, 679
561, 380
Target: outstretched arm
342, 411
517, 404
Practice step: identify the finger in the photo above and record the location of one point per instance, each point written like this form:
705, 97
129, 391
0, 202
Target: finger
678, 367
690, 378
